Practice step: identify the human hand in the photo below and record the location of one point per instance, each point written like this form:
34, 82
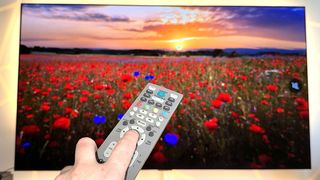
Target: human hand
87, 167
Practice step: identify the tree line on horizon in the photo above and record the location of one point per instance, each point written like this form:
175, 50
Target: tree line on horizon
142, 52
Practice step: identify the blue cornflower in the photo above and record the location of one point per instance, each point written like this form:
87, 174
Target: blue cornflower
149, 77
136, 73
120, 116
26, 144
99, 119
171, 139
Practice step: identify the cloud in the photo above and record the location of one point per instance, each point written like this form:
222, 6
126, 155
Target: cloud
71, 12
286, 23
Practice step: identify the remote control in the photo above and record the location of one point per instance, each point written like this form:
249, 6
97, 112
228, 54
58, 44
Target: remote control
148, 115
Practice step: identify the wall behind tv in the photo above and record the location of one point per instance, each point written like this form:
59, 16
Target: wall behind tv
9, 43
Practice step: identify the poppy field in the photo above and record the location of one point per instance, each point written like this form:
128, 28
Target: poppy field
237, 113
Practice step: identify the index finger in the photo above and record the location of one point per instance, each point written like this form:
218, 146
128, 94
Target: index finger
122, 154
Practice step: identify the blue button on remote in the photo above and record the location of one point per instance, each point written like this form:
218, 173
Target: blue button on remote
161, 94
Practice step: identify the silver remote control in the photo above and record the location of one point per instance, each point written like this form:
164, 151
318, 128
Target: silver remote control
149, 114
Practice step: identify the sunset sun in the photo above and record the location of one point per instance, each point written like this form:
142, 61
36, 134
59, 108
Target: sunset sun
179, 47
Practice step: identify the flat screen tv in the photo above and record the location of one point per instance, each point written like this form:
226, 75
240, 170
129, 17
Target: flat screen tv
242, 70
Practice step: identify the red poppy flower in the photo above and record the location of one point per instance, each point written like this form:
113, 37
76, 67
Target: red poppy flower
216, 103
70, 96
83, 99
68, 86
158, 147
225, 97
267, 96
302, 104
280, 110
265, 139
60, 103
251, 115
56, 116
97, 96
110, 91
61, 123
85, 92
126, 78
192, 95
234, 115
211, 124
185, 100
31, 129
98, 87
127, 96
304, 114
99, 141
243, 77
45, 106
272, 87
29, 116
55, 97
265, 102
202, 83
74, 113
125, 104
159, 157
256, 129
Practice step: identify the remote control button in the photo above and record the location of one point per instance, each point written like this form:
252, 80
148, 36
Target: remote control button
125, 123
141, 123
140, 116
171, 99
151, 102
159, 105
166, 108
107, 152
157, 99
152, 115
147, 107
143, 99
148, 128
135, 108
158, 123
124, 131
131, 113
139, 129
151, 134
161, 94
149, 120
135, 155
147, 95
169, 103
149, 91
143, 111
164, 114
174, 96
160, 118
131, 121
141, 140
155, 110
112, 144
138, 104
152, 88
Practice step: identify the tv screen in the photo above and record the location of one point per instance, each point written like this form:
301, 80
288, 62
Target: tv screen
242, 71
